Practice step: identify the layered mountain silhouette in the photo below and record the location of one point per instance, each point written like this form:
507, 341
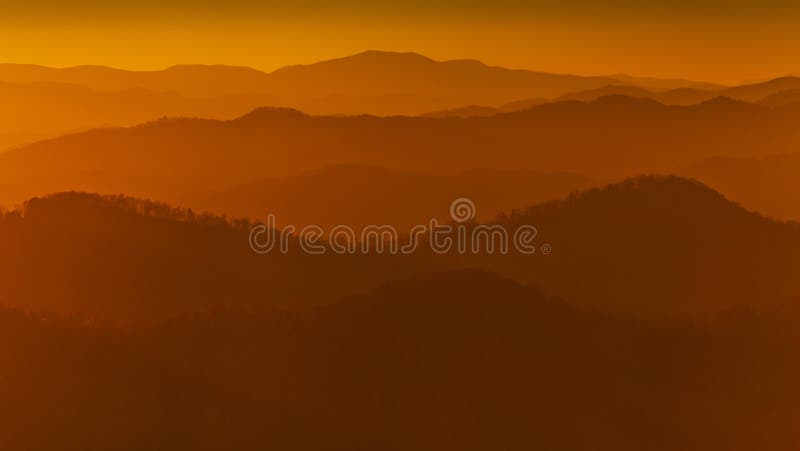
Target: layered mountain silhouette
31, 110
197, 81
762, 92
653, 246
609, 138
768, 185
116, 259
658, 245
782, 98
466, 360
775, 93
374, 82
654, 303
45, 101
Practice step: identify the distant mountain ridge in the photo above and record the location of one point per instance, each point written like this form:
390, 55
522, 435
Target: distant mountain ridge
774, 93
55, 107
609, 138
374, 82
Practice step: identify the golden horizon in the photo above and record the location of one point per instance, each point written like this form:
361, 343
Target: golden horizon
726, 43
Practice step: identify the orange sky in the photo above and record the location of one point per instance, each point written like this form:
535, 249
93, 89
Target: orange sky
708, 40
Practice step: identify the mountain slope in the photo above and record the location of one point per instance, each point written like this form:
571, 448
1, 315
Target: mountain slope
115, 259
782, 98
768, 185
370, 82
463, 360
609, 138
438, 85
190, 80
775, 93
50, 108
654, 245
647, 246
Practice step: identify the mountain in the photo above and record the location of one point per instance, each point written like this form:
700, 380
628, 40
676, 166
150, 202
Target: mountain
679, 96
758, 91
610, 138
768, 185
611, 90
777, 92
783, 98
119, 260
653, 246
9, 141
467, 111
665, 84
438, 85
646, 246
461, 360
358, 195
57, 108
374, 82
519, 105
197, 81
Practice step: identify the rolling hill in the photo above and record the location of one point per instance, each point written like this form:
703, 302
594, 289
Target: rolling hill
374, 82
462, 360
118, 260
610, 138
653, 246
782, 98
646, 246
774, 93
34, 109
768, 185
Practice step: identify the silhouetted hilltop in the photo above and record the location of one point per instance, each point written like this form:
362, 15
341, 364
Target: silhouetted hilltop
655, 245
519, 105
783, 98
467, 111
769, 185
666, 84
372, 79
611, 90
767, 93
651, 245
119, 259
266, 113
757, 91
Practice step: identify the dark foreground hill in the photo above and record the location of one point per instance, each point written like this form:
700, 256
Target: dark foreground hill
117, 259
461, 361
658, 245
654, 245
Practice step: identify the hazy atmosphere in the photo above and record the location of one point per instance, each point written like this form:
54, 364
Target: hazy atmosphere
414, 226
